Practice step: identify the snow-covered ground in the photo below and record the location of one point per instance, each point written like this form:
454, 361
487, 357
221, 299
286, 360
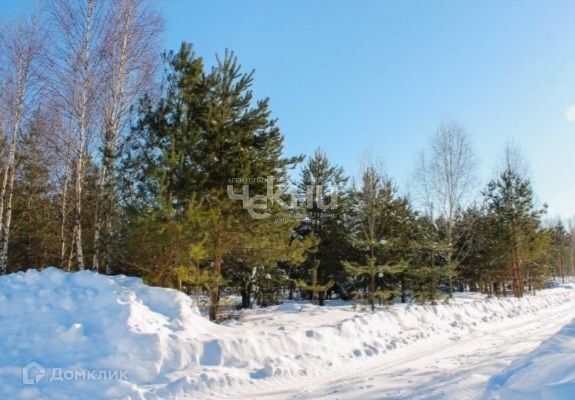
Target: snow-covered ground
88, 336
546, 373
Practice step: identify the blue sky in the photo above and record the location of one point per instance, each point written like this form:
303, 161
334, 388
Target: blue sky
379, 76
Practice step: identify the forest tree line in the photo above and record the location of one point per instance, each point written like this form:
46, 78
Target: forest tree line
119, 158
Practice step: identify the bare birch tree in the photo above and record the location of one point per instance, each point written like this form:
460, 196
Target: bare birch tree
64, 150
76, 75
446, 176
21, 45
130, 51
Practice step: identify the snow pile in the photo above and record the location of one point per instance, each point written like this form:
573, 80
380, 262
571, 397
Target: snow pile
115, 338
546, 373
96, 336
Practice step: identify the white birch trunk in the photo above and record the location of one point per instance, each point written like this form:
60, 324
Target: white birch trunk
21, 73
82, 133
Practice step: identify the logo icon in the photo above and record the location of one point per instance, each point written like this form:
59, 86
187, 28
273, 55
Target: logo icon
33, 373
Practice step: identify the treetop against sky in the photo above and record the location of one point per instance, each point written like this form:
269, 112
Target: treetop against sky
381, 76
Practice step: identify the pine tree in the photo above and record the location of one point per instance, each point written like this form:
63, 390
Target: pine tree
32, 240
369, 269
428, 253
477, 241
510, 202
381, 224
206, 132
322, 187
372, 202
559, 252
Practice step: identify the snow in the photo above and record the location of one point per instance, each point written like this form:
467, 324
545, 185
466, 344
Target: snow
546, 373
88, 322
151, 343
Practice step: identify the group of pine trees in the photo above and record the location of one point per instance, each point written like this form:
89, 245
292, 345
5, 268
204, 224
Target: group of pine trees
121, 160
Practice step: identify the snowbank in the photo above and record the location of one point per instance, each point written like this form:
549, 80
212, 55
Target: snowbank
150, 343
546, 373
95, 336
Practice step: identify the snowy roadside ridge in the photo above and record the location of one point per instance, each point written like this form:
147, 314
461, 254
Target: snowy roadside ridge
288, 352
97, 322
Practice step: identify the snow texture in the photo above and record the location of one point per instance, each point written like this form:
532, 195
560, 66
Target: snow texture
156, 342
548, 373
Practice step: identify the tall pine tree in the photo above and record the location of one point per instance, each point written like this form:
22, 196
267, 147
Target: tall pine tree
510, 203
208, 132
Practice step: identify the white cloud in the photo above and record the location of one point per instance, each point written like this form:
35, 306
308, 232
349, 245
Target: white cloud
570, 113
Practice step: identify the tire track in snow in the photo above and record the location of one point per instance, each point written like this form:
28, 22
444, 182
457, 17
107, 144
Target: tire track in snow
401, 373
